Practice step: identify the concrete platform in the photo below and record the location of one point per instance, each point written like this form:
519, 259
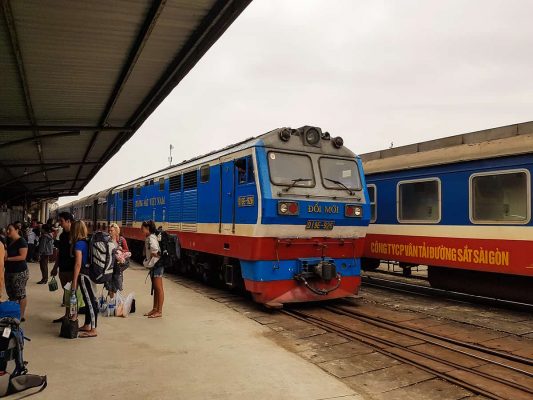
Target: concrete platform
200, 349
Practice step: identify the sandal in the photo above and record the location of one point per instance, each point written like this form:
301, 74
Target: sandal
155, 315
150, 313
85, 334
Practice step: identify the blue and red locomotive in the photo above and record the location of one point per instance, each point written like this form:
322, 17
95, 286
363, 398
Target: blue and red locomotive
285, 214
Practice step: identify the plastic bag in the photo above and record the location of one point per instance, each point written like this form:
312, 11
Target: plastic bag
119, 305
52, 285
102, 304
128, 304
79, 297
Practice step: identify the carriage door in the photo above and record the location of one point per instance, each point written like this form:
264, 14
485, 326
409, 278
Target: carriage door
227, 196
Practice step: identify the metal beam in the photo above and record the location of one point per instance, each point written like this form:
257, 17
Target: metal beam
15, 46
56, 128
20, 178
32, 139
48, 181
35, 191
52, 164
135, 52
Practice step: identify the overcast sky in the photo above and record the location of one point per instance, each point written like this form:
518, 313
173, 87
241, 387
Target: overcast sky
373, 72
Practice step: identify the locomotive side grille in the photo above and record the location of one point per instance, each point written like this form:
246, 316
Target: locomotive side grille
127, 207
190, 180
175, 183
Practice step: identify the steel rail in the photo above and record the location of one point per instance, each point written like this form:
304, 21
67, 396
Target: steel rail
370, 341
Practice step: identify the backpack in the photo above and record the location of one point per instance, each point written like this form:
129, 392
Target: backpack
170, 249
14, 375
101, 257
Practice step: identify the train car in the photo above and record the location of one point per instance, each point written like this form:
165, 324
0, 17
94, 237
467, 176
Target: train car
283, 214
460, 205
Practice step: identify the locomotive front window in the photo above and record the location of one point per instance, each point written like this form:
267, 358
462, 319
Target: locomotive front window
289, 169
500, 197
339, 174
419, 201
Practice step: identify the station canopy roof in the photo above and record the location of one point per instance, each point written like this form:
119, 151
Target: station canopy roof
77, 79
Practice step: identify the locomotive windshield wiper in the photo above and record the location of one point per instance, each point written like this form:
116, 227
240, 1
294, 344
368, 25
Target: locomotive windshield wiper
294, 182
340, 184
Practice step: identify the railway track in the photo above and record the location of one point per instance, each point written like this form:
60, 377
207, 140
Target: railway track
494, 374
423, 290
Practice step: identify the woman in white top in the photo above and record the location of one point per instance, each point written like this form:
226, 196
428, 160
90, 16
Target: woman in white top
152, 254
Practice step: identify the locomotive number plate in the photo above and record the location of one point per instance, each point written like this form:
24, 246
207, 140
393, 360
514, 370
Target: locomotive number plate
321, 225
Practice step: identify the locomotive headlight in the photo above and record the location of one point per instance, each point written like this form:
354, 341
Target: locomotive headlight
288, 208
352, 210
312, 136
285, 135
338, 142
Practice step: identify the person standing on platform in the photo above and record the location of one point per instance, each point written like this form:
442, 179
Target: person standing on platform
117, 281
65, 259
152, 254
2, 258
46, 250
32, 238
80, 248
16, 270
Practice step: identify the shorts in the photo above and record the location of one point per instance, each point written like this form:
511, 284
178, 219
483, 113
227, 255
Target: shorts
157, 271
16, 284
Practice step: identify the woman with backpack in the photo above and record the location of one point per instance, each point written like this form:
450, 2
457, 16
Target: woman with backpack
46, 250
122, 255
16, 270
80, 249
152, 254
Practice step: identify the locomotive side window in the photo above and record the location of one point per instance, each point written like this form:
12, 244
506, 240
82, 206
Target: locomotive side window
288, 169
372, 199
245, 170
500, 197
138, 190
339, 174
419, 201
161, 184
204, 173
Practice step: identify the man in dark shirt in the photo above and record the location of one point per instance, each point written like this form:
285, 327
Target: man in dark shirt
65, 260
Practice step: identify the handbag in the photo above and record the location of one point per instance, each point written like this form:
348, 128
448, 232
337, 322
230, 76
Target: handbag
69, 328
52, 285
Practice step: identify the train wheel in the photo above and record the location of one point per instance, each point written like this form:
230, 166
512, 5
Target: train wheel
488, 284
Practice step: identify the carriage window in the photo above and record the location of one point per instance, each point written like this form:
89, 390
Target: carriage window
419, 201
500, 197
161, 184
138, 190
204, 173
339, 174
372, 198
291, 169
